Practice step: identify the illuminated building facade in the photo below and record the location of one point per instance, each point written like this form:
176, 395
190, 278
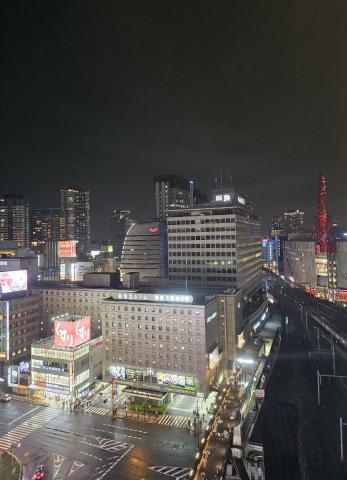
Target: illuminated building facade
20, 325
144, 250
14, 219
67, 363
216, 244
45, 226
171, 191
75, 214
163, 342
120, 223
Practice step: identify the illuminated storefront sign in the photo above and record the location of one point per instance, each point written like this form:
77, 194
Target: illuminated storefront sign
71, 334
171, 380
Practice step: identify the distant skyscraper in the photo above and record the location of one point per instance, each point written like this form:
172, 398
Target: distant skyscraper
45, 226
293, 221
277, 226
171, 191
14, 219
75, 213
119, 225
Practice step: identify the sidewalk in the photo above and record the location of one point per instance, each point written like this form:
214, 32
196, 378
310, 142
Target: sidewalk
215, 454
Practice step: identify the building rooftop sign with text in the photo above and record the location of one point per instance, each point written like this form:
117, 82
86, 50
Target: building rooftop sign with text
72, 333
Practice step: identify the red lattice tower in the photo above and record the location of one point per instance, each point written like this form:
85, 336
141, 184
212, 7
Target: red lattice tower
321, 228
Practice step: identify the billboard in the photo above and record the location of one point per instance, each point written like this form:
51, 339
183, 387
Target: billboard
13, 281
71, 334
67, 248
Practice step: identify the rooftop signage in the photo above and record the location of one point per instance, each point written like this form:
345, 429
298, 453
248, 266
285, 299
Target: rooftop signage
150, 297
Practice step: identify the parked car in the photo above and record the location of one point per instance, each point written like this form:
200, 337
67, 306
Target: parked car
5, 397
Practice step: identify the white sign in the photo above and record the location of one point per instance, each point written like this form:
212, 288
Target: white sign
241, 200
143, 297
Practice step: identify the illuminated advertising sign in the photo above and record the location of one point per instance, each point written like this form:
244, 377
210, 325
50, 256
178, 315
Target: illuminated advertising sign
15, 281
24, 368
153, 229
71, 334
67, 248
173, 380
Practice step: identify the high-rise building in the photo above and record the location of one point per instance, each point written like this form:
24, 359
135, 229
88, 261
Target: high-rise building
120, 223
45, 226
277, 226
14, 219
75, 213
19, 326
144, 250
293, 221
216, 244
171, 191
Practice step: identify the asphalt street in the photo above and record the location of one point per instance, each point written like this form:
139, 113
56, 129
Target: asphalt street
81, 445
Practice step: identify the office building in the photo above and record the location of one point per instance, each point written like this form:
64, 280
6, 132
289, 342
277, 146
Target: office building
164, 342
294, 221
120, 223
300, 262
277, 225
171, 191
64, 367
20, 326
14, 219
162, 305
144, 250
75, 214
216, 243
45, 226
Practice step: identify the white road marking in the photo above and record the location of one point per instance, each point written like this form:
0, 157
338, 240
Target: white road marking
92, 456
117, 433
24, 414
115, 463
124, 428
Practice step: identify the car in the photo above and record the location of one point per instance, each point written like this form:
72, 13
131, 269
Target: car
39, 473
5, 397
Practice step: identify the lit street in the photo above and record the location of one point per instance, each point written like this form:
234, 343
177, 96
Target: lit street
80, 446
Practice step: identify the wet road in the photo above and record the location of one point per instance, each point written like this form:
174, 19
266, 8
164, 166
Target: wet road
79, 445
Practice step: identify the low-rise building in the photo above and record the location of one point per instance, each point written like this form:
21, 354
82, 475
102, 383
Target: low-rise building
66, 364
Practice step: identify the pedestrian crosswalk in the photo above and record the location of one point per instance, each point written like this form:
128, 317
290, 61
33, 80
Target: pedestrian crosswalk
24, 429
179, 473
173, 421
98, 411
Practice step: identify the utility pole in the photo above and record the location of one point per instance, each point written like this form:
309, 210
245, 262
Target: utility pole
318, 387
318, 343
112, 395
306, 323
334, 363
341, 438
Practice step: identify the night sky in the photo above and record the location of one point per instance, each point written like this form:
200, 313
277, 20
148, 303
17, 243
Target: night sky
106, 94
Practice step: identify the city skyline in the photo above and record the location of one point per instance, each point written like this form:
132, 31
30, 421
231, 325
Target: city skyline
189, 103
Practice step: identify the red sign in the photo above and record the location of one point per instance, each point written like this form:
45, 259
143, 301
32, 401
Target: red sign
71, 334
153, 229
67, 248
